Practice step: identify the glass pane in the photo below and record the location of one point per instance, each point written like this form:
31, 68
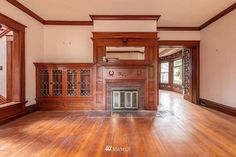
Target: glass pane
128, 100
116, 99
134, 100
178, 72
57, 82
165, 67
164, 73
122, 99
84, 82
71, 82
44, 82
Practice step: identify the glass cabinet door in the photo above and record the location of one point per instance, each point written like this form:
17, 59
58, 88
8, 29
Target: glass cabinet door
85, 82
44, 82
57, 82
72, 87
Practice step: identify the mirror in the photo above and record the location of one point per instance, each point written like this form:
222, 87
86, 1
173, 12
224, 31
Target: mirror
124, 53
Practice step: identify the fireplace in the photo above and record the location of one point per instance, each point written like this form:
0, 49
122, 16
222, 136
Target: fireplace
125, 96
125, 99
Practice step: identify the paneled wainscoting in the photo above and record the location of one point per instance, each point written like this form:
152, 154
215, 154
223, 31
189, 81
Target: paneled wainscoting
178, 129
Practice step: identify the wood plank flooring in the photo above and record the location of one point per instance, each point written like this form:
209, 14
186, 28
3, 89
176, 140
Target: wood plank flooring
178, 129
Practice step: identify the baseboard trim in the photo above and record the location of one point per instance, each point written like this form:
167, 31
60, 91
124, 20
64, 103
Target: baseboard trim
30, 109
219, 107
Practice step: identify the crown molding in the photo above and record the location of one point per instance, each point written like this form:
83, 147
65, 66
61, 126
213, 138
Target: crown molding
125, 17
178, 28
26, 10
55, 22
121, 17
218, 16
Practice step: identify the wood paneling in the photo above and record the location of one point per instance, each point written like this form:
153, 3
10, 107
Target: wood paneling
10, 50
128, 71
11, 111
64, 101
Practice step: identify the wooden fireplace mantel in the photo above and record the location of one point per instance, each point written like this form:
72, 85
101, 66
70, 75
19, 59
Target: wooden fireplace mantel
128, 72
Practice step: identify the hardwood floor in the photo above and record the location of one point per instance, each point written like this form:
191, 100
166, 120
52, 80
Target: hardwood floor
178, 129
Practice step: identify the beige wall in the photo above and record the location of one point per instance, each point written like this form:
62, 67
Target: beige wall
218, 65
124, 26
68, 44
179, 35
33, 46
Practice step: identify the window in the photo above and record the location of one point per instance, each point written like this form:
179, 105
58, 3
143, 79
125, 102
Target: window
164, 73
177, 78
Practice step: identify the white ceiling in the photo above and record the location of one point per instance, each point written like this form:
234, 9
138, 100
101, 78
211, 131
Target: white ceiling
173, 12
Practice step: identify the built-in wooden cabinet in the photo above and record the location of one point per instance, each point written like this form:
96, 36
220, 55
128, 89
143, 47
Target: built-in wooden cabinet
64, 86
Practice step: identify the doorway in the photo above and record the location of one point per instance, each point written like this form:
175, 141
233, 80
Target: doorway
14, 64
179, 68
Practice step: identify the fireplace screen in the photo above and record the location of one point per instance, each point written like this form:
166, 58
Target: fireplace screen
125, 99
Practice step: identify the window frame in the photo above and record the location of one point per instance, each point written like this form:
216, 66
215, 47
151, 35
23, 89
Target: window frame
168, 82
173, 67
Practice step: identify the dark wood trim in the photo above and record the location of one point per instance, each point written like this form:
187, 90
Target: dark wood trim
125, 17
5, 32
30, 109
218, 16
125, 35
125, 52
18, 58
219, 107
185, 43
12, 112
26, 10
178, 28
12, 24
10, 49
80, 23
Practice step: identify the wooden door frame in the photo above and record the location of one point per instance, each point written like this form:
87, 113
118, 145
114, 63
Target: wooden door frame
18, 59
196, 63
